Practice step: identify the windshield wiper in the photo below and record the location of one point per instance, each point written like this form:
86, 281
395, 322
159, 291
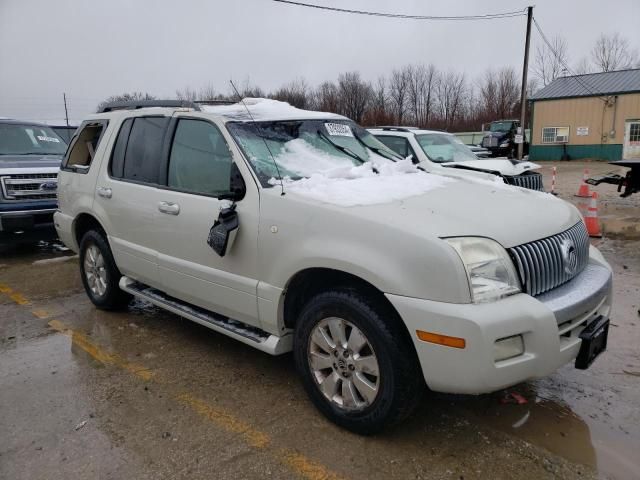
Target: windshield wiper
379, 151
341, 148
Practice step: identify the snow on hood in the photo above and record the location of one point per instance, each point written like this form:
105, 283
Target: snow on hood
266, 109
361, 185
503, 166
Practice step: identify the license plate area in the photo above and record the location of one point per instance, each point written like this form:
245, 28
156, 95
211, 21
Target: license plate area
594, 342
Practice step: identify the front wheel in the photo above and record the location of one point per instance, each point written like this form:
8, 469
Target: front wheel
356, 362
100, 275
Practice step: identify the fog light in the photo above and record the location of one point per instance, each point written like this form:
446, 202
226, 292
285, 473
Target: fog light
508, 348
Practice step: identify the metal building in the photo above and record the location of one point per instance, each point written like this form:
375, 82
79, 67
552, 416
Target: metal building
587, 116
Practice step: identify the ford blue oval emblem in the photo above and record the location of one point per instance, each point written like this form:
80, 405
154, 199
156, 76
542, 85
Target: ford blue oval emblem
48, 186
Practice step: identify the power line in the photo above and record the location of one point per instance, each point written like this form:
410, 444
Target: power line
563, 63
489, 16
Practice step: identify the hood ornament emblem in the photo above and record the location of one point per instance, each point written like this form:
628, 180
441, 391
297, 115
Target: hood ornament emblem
569, 256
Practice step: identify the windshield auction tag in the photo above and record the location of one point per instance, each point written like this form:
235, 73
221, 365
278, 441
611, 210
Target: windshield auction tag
338, 129
42, 138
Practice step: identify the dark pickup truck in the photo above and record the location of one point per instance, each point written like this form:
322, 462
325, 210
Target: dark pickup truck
30, 156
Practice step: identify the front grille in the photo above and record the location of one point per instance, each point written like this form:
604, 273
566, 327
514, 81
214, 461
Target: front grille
542, 264
29, 186
490, 141
530, 180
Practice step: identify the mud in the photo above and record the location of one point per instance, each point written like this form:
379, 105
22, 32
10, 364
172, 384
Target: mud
146, 394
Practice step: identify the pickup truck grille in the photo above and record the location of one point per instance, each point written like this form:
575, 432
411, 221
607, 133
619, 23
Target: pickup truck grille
29, 186
547, 263
530, 180
490, 142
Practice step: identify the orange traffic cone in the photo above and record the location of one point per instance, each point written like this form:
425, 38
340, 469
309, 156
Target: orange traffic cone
583, 191
591, 217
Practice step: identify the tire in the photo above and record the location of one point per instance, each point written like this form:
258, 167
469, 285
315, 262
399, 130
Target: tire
399, 383
97, 265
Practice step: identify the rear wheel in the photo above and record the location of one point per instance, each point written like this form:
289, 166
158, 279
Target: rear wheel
100, 275
356, 362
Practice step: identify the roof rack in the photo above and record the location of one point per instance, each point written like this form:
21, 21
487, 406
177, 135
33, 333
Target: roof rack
136, 104
398, 129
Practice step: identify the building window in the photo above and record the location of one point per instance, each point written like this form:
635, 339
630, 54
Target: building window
555, 134
634, 132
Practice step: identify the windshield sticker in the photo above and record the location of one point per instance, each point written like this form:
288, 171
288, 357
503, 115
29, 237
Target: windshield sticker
42, 138
338, 129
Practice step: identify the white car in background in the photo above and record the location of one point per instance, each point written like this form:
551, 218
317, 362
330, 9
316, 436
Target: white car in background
433, 149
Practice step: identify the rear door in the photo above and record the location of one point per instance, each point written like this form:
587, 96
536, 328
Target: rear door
198, 172
126, 195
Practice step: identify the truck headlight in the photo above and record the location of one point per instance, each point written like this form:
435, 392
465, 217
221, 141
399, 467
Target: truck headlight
490, 271
504, 145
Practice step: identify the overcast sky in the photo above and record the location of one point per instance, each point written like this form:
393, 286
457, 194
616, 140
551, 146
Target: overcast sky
94, 49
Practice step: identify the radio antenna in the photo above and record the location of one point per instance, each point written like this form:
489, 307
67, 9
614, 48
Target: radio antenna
255, 126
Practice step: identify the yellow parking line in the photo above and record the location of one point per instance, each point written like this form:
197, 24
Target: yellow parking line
82, 341
13, 295
295, 461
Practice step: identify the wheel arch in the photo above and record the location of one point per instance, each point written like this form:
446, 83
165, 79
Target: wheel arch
83, 223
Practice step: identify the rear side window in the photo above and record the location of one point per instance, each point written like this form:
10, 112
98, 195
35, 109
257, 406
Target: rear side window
137, 153
83, 148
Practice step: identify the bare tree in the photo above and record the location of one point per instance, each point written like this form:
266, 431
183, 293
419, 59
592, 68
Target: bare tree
549, 62
422, 82
127, 97
326, 98
296, 93
354, 94
379, 113
451, 91
398, 94
613, 52
583, 67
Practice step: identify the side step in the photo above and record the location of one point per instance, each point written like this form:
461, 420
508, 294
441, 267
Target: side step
252, 336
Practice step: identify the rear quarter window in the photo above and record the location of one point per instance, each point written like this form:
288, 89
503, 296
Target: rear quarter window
82, 150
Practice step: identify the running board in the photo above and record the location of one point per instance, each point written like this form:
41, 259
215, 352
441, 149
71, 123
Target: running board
252, 336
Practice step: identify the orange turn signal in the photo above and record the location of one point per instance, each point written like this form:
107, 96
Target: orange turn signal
445, 340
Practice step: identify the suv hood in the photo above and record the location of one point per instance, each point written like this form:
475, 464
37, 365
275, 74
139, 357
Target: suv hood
30, 161
460, 207
500, 165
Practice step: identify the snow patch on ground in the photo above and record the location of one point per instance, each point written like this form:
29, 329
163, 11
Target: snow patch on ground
266, 109
361, 185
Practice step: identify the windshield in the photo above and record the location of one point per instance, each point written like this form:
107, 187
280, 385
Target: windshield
302, 148
16, 139
502, 127
442, 148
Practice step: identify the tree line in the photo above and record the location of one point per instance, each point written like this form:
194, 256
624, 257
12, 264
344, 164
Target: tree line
424, 96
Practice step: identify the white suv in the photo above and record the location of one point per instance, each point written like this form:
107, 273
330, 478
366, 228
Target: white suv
296, 230
433, 149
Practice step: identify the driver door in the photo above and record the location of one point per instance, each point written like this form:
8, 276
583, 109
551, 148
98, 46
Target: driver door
198, 172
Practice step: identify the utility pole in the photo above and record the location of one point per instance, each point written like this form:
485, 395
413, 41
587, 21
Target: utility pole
523, 93
66, 113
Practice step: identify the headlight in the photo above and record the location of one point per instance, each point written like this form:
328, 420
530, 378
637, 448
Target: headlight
504, 145
490, 271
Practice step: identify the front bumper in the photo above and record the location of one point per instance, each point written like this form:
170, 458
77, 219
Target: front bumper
550, 325
20, 222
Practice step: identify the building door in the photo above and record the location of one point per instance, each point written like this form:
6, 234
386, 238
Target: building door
631, 148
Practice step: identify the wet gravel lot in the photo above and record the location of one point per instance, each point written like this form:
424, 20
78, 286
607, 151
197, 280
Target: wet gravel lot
145, 394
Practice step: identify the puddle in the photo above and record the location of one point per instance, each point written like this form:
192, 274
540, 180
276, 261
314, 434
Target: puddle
554, 426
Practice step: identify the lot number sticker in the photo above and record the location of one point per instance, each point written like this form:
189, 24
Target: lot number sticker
42, 138
338, 129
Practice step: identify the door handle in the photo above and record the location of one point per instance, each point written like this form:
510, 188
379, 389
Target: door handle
105, 192
169, 208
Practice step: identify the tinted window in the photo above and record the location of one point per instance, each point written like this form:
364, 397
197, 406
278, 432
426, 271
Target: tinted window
144, 149
116, 168
200, 160
400, 145
83, 149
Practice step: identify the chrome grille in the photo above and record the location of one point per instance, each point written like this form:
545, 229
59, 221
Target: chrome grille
541, 264
530, 180
490, 141
29, 186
